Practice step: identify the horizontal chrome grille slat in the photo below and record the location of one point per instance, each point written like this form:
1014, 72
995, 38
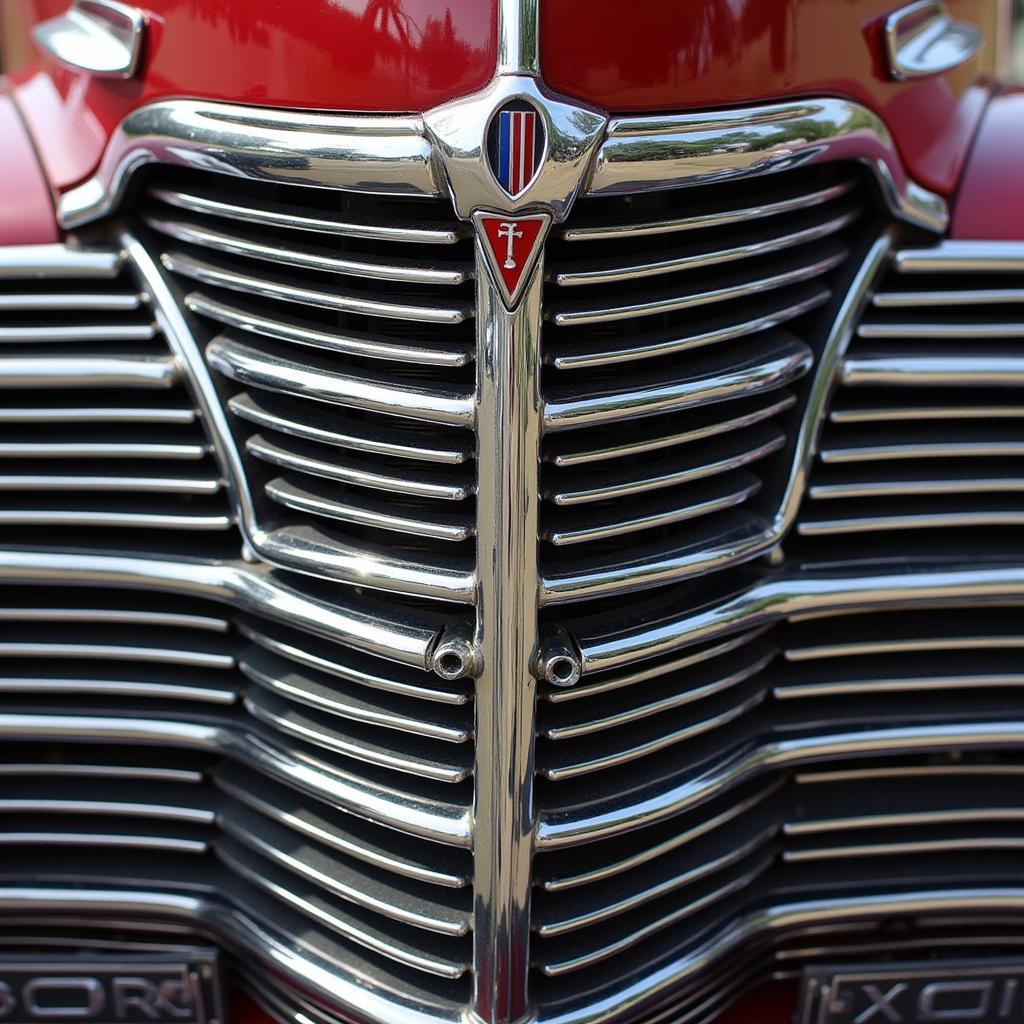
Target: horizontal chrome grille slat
102, 450
937, 449
40, 262
652, 742
948, 297
792, 200
358, 435
267, 286
411, 481
700, 500
87, 334
144, 689
772, 367
305, 258
380, 515
71, 413
180, 483
283, 217
566, 450
310, 549
616, 716
705, 548
368, 708
254, 367
876, 686
729, 287
940, 331
740, 449
883, 413
87, 302
283, 327
773, 312
88, 372
969, 515
967, 482
114, 518
614, 271
934, 370
346, 665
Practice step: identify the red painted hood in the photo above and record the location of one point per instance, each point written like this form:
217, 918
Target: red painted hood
409, 55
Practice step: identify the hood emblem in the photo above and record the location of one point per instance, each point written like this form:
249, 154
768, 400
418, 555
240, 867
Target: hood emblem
515, 146
511, 246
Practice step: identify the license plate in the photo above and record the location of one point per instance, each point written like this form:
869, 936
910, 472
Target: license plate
950, 992
182, 986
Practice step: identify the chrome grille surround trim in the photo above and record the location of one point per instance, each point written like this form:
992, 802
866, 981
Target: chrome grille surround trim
383, 155
394, 155
756, 140
398, 156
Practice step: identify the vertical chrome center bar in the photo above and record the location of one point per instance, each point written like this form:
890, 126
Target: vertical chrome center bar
509, 418
518, 37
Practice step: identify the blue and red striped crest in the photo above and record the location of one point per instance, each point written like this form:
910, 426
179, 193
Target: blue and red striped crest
517, 148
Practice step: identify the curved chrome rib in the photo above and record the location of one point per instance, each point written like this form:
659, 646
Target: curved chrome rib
252, 588
251, 366
804, 591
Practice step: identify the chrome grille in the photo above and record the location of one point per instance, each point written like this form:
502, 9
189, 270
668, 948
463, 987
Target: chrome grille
97, 431
678, 328
375, 841
925, 432
341, 328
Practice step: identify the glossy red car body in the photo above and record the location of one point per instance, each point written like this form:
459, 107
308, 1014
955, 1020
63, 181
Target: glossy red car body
409, 55
954, 133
